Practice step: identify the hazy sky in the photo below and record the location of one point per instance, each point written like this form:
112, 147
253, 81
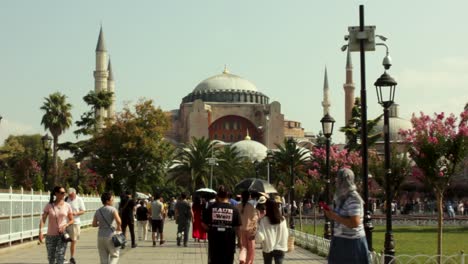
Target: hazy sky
163, 49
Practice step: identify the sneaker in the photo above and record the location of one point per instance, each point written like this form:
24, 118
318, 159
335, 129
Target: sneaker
185, 245
123, 246
154, 243
162, 242
134, 245
72, 261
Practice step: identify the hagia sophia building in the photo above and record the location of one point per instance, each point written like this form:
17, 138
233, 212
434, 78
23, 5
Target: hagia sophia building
229, 108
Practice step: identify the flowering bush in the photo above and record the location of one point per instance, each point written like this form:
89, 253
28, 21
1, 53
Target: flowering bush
338, 159
437, 145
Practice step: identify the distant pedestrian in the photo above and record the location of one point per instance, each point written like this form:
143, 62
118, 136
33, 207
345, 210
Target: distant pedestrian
126, 211
172, 204
73, 230
248, 229
222, 220
157, 219
450, 210
142, 221
60, 216
104, 218
348, 244
460, 208
273, 234
183, 217
198, 232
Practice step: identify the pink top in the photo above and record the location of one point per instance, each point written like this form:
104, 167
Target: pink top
58, 216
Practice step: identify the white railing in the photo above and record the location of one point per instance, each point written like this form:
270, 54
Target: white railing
20, 212
316, 244
461, 258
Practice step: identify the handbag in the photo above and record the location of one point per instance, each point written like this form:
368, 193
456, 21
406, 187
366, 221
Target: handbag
291, 240
117, 239
65, 237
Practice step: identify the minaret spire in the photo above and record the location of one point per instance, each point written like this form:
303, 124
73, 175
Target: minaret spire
101, 75
349, 89
326, 94
111, 88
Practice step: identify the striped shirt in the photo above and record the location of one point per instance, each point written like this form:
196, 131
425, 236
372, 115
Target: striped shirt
352, 206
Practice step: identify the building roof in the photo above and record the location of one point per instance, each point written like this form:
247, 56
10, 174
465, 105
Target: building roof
396, 124
251, 149
225, 82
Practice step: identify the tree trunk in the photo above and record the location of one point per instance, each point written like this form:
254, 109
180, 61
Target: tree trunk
440, 222
55, 159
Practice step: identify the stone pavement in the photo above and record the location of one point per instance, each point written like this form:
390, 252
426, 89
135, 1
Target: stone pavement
87, 253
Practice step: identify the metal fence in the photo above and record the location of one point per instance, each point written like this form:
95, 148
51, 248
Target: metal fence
20, 213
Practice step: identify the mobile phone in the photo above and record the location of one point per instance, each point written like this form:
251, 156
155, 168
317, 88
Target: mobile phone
324, 206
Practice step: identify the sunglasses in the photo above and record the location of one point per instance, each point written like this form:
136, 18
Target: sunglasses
61, 192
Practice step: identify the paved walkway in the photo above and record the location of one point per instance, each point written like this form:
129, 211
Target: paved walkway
87, 253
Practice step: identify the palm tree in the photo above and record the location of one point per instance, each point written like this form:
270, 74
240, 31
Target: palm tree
191, 163
57, 118
231, 167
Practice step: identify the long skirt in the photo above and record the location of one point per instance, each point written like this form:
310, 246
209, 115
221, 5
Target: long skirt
349, 251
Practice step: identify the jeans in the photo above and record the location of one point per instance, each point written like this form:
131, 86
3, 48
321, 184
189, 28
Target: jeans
278, 255
56, 249
108, 253
183, 227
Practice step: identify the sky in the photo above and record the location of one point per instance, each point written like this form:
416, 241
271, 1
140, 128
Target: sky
161, 50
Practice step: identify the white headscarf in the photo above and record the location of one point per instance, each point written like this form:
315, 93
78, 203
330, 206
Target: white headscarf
345, 186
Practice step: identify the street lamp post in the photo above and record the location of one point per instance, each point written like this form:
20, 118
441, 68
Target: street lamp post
78, 167
211, 162
46, 141
327, 129
291, 191
385, 86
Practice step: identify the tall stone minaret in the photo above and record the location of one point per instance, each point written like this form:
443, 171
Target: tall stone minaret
326, 94
101, 75
111, 88
349, 89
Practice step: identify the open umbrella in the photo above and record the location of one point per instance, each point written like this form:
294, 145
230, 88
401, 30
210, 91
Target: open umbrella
255, 185
140, 195
206, 192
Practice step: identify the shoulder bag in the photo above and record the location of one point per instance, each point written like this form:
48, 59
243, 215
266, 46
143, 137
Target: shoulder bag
117, 239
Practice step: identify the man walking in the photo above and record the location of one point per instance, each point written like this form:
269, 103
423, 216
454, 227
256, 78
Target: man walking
126, 211
183, 217
158, 214
73, 230
222, 220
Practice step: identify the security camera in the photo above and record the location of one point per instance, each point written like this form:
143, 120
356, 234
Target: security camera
382, 37
387, 62
344, 47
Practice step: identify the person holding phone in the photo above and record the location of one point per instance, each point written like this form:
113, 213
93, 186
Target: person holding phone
348, 244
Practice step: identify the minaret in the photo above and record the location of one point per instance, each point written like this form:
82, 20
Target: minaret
349, 89
100, 76
326, 94
111, 88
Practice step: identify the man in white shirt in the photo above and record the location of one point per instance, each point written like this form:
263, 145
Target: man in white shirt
73, 230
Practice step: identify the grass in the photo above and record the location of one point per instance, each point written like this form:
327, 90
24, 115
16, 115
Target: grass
414, 240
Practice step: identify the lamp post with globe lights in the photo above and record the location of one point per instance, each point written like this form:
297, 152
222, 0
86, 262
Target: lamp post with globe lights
327, 129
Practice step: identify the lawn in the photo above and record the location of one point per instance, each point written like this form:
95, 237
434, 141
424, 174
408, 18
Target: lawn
413, 240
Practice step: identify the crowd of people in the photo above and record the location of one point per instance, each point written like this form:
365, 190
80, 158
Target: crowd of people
221, 221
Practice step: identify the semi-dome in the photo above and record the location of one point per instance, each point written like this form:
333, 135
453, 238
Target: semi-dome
396, 124
251, 149
225, 82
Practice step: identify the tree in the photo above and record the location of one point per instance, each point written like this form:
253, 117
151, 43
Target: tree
191, 163
88, 123
352, 130
132, 149
57, 118
338, 159
231, 167
437, 145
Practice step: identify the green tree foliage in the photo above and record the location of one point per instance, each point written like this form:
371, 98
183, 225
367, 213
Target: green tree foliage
190, 165
57, 118
87, 123
132, 148
231, 168
353, 129
400, 165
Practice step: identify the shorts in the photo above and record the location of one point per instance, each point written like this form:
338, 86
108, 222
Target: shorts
74, 231
157, 225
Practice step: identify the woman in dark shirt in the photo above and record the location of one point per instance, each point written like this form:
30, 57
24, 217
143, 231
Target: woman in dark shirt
142, 218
